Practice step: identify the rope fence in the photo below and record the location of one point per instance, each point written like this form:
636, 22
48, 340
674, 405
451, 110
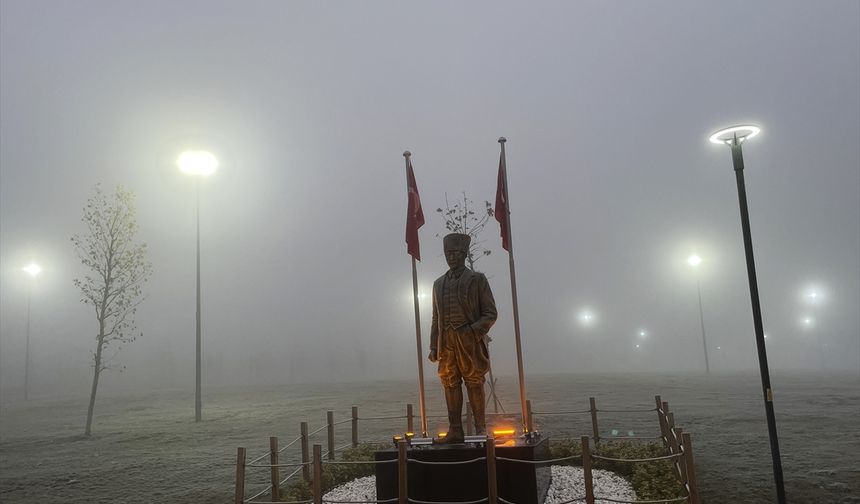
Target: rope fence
540, 462
383, 501
453, 462
416, 501
678, 446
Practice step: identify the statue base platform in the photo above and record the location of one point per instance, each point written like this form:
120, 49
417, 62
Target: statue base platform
517, 482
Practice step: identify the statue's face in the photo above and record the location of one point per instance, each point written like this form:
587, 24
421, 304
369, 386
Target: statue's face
455, 258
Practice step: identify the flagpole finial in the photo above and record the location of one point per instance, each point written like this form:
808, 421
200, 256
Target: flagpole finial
406, 153
502, 140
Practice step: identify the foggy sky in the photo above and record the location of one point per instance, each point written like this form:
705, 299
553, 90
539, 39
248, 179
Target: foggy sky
606, 106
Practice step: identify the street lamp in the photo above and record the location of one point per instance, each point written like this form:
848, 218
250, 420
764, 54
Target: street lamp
735, 136
813, 297
33, 270
586, 318
198, 164
694, 261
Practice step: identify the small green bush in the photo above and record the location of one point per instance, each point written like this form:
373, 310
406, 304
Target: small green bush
335, 474
650, 480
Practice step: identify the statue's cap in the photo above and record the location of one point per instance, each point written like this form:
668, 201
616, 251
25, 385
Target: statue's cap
456, 241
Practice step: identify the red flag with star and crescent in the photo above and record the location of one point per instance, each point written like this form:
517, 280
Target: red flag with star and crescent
501, 212
414, 214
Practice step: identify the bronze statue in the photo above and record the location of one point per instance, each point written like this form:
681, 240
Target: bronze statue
463, 313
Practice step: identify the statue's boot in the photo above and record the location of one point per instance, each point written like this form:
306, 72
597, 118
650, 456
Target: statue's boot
454, 401
476, 400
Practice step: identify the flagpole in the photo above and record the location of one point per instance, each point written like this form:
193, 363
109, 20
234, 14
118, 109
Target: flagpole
527, 427
421, 401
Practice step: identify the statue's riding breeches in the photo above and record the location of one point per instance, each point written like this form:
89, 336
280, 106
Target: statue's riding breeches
463, 356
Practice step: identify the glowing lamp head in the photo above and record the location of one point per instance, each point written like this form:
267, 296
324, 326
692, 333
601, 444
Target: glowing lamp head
503, 433
32, 269
586, 318
741, 132
694, 260
201, 163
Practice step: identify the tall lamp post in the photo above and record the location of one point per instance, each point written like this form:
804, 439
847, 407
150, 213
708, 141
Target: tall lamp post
33, 270
734, 137
694, 261
198, 164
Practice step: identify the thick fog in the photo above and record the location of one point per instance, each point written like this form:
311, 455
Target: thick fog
607, 108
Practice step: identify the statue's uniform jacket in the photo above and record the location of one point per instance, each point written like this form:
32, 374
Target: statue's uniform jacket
463, 312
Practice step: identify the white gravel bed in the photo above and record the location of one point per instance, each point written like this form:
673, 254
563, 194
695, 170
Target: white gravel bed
567, 483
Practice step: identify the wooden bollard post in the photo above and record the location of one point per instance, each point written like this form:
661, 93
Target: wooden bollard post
592, 405
330, 428
402, 491
306, 456
240, 476
354, 426
468, 419
530, 421
586, 471
692, 482
273, 456
674, 447
666, 425
670, 425
679, 462
492, 488
317, 484
660, 421
410, 419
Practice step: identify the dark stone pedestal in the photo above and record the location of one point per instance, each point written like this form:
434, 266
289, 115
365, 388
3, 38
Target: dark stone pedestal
517, 482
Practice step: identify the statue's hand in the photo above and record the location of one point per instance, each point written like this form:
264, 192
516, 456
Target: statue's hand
467, 331
433, 357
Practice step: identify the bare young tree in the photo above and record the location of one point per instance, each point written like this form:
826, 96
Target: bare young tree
117, 269
461, 217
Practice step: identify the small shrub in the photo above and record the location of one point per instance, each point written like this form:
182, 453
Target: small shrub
650, 480
335, 474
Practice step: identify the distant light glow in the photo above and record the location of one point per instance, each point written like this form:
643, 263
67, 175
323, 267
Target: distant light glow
719, 348
694, 260
814, 295
808, 321
197, 163
637, 345
743, 132
642, 333
32, 269
586, 318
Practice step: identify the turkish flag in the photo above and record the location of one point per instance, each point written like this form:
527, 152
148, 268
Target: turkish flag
414, 213
501, 212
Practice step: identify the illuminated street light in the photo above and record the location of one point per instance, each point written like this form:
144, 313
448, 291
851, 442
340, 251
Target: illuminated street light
643, 334
198, 164
694, 261
586, 318
734, 136
33, 270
